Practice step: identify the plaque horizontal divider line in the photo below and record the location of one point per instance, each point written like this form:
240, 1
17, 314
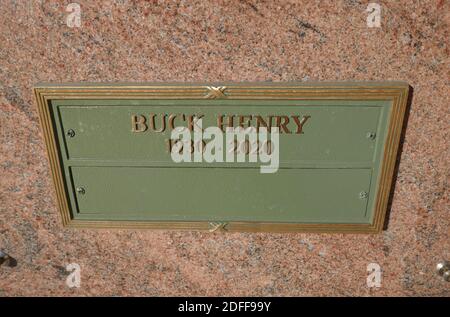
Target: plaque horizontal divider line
283, 165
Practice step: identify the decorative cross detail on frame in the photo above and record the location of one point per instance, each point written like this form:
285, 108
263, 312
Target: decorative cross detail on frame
216, 92
218, 226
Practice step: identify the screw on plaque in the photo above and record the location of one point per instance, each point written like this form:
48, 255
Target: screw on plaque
70, 133
7, 259
81, 190
363, 195
443, 269
371, 135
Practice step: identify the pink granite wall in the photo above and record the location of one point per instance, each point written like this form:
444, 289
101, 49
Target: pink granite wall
224, 41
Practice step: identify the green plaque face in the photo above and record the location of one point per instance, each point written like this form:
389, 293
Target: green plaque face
228, 157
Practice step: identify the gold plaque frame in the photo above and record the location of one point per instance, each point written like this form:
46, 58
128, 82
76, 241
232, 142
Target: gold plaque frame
397, 92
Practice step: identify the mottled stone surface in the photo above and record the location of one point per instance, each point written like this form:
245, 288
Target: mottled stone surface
224, 41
